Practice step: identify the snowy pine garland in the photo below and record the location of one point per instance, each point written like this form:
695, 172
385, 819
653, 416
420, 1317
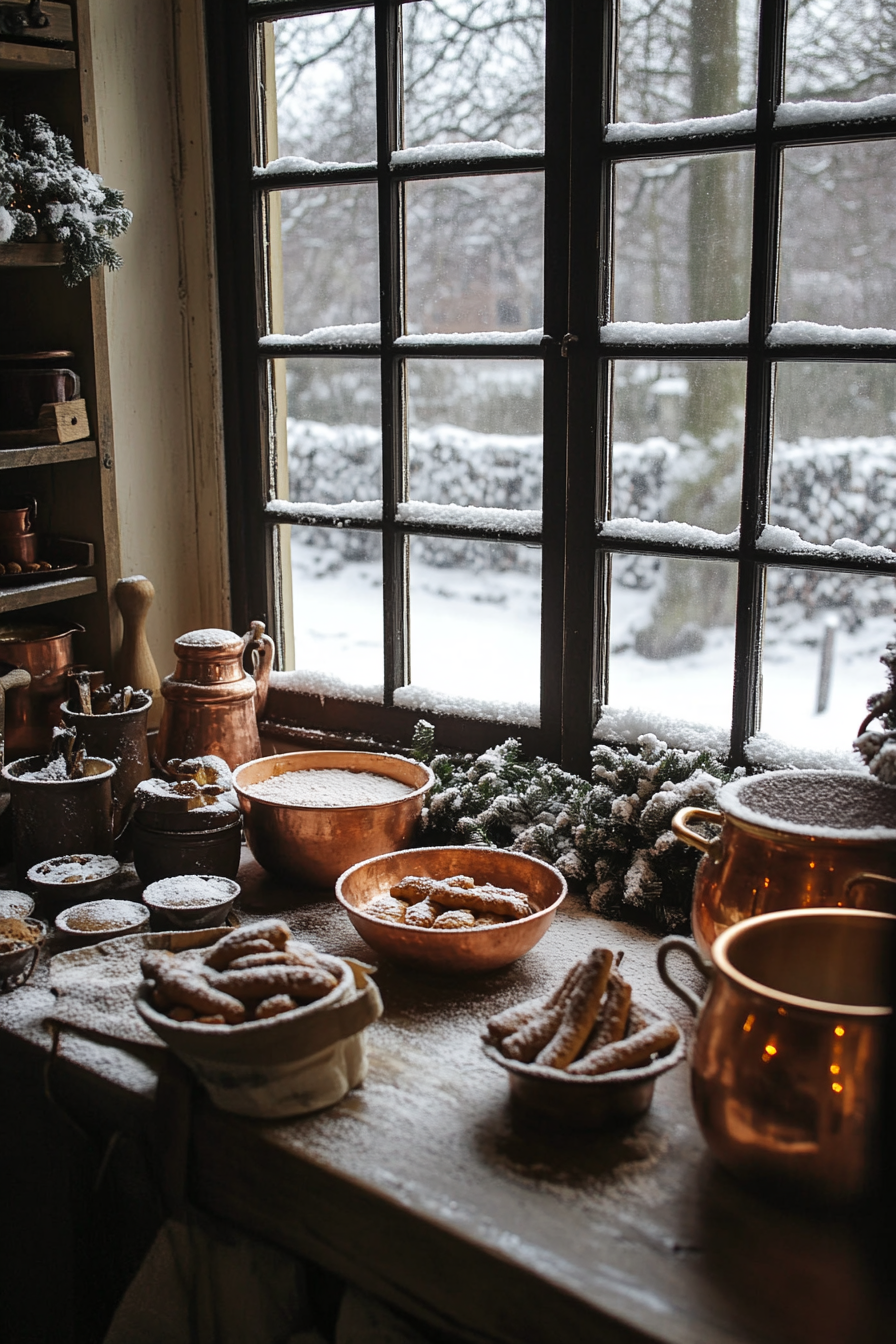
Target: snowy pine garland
611, 836
45, 192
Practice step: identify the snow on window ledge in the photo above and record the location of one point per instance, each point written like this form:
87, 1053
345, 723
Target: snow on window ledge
814, 110
465, 151
623, 727
785, 539
358, 333
326, 687
744, 120
290, 163
726, 332
438, 338
524, 522
814, 333
680, 534
437, 702
363, 510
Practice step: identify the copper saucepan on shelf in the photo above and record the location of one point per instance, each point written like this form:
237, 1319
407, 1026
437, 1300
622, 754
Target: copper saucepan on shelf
790, 839
787, 1062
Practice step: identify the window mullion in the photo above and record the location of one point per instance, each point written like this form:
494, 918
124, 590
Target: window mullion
396, 593
760, 381
585, 608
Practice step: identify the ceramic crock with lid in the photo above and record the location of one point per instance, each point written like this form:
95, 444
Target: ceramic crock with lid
791, 839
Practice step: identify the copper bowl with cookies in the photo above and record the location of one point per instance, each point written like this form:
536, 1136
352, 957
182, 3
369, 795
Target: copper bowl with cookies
587, 1055
452, 909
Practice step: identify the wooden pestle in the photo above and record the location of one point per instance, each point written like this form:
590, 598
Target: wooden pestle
134, 665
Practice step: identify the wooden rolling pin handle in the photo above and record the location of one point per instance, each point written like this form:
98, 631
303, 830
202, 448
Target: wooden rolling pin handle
135, 665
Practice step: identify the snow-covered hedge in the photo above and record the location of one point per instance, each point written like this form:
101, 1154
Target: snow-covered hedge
821, 488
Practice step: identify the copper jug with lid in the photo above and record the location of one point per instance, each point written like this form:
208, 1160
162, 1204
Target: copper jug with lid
211, 702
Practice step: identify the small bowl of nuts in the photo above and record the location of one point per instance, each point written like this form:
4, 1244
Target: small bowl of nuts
95, 921
21, 940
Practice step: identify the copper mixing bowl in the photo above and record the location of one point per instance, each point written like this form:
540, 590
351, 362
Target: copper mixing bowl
313, 845
453, 950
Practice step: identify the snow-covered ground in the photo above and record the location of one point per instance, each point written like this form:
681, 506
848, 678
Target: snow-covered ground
475, 636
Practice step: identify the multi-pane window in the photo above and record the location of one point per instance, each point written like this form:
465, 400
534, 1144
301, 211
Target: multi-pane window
561, 361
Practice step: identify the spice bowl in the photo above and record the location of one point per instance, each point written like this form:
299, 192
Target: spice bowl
453, 951
313, 844
550, 1097
73, 875
95, 921
192, 901
15, 905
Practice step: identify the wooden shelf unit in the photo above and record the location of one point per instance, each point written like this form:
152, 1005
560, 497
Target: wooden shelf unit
47, 454
74, 483
30, 254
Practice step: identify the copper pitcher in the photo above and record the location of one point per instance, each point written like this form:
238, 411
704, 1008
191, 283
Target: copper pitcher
787, 1062
211, 702
791, 839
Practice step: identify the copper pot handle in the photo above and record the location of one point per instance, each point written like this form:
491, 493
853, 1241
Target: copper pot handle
683, 831
261, 648
866, 877
677, 944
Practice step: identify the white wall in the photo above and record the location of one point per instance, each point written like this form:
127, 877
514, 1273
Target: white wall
152, 123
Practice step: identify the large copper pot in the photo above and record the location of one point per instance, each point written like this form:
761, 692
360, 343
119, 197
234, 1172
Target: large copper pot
33, 712
791, 838
786, 1065
211, 702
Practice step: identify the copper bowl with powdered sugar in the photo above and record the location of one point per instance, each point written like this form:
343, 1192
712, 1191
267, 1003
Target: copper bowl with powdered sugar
310, 815
454, 951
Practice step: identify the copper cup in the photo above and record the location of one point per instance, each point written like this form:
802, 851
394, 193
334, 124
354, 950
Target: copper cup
787, 1059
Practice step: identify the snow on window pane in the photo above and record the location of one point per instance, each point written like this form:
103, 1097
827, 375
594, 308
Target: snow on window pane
678, 432
326, 87
840, 50
682, 235
685, 58
474, 254
824, 634
474, 431
834, 454
333, 430
474, 70
324, 285
337, 586
672, 638
838, 235
476, 622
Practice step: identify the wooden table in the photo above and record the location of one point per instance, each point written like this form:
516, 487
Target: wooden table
419, 1187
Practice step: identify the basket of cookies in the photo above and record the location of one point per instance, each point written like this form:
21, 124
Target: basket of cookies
452, 908
270, 1026
586, 1055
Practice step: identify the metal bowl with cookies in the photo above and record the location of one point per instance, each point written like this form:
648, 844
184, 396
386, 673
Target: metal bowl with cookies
453, 909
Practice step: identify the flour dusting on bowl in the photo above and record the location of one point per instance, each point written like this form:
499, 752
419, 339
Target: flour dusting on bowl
102, 917
189, 892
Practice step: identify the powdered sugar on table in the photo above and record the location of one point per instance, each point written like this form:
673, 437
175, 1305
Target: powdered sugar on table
329, 788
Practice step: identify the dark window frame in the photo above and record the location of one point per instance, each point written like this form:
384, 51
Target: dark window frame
578, 170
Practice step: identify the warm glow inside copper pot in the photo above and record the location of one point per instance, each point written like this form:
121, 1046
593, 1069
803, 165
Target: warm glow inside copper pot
313, 845
753, 868
786, 1063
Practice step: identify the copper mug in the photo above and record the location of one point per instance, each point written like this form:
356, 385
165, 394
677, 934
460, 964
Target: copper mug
211, 703
33, 712
786, 1065
18, 539
832, 827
